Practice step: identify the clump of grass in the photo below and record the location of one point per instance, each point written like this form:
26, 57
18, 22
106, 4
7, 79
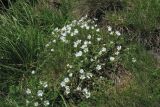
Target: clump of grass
23, 33
20, 49
98, 8
144, 14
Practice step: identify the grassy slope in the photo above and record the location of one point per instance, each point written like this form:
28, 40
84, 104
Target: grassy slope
143, 91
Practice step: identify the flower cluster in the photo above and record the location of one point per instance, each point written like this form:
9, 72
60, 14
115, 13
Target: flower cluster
37, 97
89, 51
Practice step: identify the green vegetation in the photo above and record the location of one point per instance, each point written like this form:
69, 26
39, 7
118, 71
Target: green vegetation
52, 54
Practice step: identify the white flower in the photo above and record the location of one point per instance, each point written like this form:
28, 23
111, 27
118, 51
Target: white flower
66, 87
45, 85
36, 104
52, 50
119, 48
67, 91
47, 45
56, 29
71, 74
95, 19
27, 102
69, 27
74, 21
82, 26
82, 77
86, 93
111, 33
98, 30
33, 72
46, 103
99, 39
85, 90
89, 42
111, 42
64, 34
134, 60
78, 88
118, 33
28, 91
100, 53
92, 60
81, 71
89, 37
87, 27
76, 43
109, 28
40, 93
76, 31
69, 31
78, 54
89, 75
101, 77
104, 49
86, 50
85, 24
83, 46
63, 84
112, 58
54, 41
41, 82
85, 42
68, 70
64, 28
92, 27
79, 41
72, 34
66, 80
70, 66
63, 38
98, 67
117, 53
95, 58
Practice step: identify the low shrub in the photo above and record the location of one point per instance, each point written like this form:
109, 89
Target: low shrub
79, 54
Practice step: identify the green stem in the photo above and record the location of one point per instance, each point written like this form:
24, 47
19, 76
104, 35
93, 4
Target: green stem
63, 100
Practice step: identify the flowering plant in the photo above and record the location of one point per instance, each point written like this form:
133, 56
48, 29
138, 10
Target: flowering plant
38, 96
88, 52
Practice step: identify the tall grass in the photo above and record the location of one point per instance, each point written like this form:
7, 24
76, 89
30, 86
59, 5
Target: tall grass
144, 14
24, 28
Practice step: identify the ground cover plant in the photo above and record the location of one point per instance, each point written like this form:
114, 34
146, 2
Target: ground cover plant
54, 55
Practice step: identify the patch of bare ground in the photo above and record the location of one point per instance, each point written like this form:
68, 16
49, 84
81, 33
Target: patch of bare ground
156, 56
122, 79
51, 4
